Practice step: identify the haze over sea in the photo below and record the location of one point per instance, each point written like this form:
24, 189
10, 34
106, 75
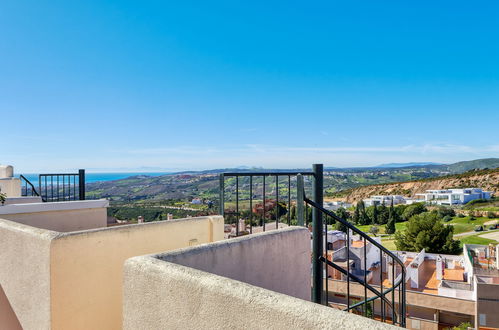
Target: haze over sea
96, 177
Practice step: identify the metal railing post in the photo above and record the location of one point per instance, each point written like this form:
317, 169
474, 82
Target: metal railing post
221, 206
81, 184
317, 233
300, 214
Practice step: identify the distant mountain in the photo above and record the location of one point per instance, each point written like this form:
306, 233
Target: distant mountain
395, 165
461, 167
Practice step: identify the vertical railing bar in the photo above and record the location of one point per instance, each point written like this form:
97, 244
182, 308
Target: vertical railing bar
300, 191
403, 301
40, 185
393, 291
221, 197
277, 201
365, 277
46, 193
63, 187
325, 265
51, 188
251, 204
74, 187
263, 197
348, 270
58, 187
237, 205
381, 286
289, 200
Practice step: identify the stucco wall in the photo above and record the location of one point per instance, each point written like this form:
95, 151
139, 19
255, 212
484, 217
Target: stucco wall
61, 217
8, 318
10, 186
165, 295
487, 304
87, 266
275, 260
25, 273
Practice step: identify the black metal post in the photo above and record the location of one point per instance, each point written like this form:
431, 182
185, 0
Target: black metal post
317, 251
81, 184
221, 207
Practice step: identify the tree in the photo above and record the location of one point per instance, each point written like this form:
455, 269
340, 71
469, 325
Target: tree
412, 210
383, 214
426, 231
341, 227
360, 215
342, 213
356, 215
375, 219
390, 225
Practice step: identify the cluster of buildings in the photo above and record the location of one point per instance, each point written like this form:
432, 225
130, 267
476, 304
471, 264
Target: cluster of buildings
63, 267
435, 197
442, 290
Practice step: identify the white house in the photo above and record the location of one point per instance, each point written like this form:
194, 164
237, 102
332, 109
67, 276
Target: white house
384, 200
333, 206
454, 196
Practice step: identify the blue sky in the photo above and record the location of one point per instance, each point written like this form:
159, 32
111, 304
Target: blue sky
121, 85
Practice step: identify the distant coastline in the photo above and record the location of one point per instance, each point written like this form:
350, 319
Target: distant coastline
97, 177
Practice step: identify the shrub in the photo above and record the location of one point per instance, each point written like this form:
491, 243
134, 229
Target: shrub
460, 215
374, 230
447, 218
445, 211
412, 210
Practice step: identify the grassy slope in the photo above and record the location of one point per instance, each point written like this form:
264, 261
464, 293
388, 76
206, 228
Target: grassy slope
461, 225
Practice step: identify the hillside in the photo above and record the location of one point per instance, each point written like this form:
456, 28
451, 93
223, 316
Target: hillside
464, 166
485, 179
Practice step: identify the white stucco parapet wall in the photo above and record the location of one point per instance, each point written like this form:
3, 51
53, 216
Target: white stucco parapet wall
53, 206
162, 292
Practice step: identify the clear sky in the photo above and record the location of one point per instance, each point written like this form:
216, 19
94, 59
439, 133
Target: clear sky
108, 85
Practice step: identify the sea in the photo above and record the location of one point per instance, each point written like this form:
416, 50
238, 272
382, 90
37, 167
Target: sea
96, 177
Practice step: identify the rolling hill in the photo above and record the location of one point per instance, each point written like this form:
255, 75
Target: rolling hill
487, 179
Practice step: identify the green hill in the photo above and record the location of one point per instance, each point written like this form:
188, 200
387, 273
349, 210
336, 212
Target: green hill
465, 166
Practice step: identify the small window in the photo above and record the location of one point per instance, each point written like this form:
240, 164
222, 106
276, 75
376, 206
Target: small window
483, 319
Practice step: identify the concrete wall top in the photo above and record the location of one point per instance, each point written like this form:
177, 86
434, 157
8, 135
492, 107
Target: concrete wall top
52, 206
275, 260
164, 295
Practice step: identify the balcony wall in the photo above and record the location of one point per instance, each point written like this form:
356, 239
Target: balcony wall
252, 282
59, 216
73, 280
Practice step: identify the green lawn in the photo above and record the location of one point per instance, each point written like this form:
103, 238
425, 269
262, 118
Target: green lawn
389, 244
475, 239
462, 225
398, 226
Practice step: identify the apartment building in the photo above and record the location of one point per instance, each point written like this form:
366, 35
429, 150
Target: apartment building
442, 290
385, 200
454, 196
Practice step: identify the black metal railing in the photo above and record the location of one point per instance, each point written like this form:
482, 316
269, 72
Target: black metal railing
388, 305
60, 187
242, 187
264, 198
27, 188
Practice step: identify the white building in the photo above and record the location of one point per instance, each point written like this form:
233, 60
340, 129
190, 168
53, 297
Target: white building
333, 206
454, 196
384, 200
